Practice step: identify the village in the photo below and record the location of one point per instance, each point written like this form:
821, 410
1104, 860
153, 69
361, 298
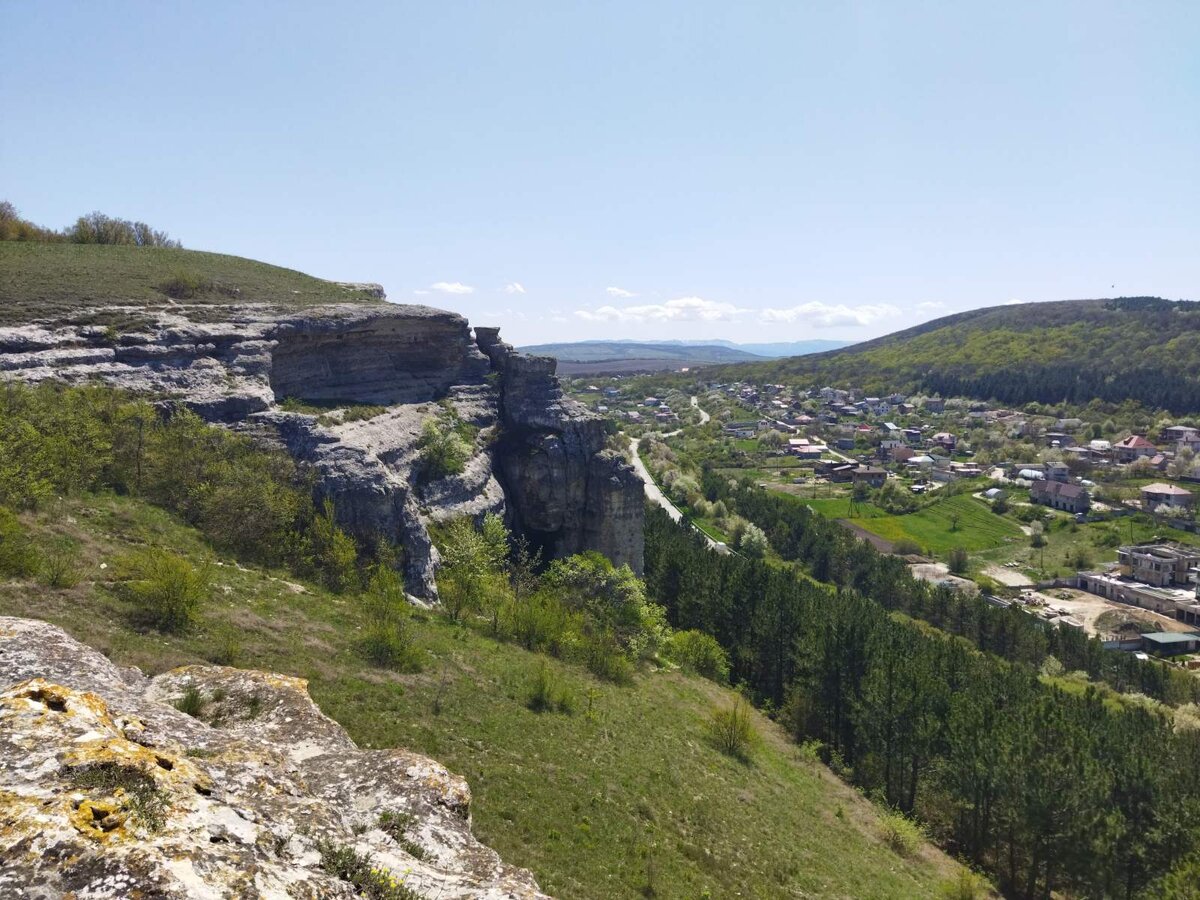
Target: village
1085, 522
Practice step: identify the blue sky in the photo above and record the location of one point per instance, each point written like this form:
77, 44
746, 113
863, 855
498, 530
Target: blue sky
570, 170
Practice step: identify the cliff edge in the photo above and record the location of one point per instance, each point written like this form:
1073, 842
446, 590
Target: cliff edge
347, 388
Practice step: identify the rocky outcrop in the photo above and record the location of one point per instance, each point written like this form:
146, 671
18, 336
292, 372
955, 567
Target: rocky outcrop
361, 355
108, 791
567, 492
539, 458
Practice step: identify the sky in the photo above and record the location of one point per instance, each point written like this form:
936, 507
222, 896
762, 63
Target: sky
749, 171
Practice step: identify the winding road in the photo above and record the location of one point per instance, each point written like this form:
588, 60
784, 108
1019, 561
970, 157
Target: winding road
655, 494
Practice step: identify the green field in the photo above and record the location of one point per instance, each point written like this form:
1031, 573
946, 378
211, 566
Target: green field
839, 508
623, 798
958, 521
58, 280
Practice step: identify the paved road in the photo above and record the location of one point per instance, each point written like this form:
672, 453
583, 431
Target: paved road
653, 492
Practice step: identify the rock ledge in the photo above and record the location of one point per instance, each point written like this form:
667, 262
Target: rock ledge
108, 791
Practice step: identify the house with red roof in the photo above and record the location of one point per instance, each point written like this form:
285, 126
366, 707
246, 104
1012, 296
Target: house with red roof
1132, 448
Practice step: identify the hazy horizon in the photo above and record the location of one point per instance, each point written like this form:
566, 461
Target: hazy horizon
757, 173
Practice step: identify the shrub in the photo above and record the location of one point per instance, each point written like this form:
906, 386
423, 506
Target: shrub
966, 885
605, 659
387, 642
958, 560
191, 703
185, 285
906, 547
395, 825
731, 729
372, 882
443, 446
538, 621
701, 653
60, 564
138, 794
903, 835
165, 588
546, 694
18, 556
333, 554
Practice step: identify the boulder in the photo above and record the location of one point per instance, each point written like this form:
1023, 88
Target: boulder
107, 790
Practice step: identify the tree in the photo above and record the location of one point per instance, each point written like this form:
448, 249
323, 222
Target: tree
472, 576
442, 449
958, 560
753, 542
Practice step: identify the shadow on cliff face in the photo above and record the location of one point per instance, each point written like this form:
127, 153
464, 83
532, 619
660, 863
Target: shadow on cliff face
383, 358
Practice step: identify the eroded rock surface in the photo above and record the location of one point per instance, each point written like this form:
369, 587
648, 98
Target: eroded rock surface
539, 459
108, 791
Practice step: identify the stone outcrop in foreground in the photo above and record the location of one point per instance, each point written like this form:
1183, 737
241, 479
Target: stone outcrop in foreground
539, 459
107, 791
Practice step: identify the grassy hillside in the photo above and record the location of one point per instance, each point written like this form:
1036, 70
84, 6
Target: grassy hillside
1139, 348
625, 797
59, 280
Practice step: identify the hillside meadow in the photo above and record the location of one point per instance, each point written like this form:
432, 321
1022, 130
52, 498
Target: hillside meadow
624, 796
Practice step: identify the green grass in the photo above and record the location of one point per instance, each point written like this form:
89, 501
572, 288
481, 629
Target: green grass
61, 280
839, 508
934, 528
624, 796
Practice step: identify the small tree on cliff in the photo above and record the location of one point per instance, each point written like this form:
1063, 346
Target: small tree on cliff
443, 450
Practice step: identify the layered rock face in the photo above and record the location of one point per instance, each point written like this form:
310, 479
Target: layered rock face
107, 791
386, 360
569, 494
539, 458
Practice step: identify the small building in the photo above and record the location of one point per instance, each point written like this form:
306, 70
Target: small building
1173, 434
651, 401
934, 405
1161, 564
803, 448
1133, 448
872, 475
1070, 498
1170, 643
844, 443
1056, 471
1162, 494
901, 454
741, 429
945, 440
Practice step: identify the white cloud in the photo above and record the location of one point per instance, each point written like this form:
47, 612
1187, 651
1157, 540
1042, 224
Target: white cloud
421, 293
514, 287
619, 292
681, 309
816, 314
452, 287
931, 305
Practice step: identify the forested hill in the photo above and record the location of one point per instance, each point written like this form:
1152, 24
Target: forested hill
1140, 348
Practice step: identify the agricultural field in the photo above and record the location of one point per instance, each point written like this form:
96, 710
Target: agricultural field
957, 521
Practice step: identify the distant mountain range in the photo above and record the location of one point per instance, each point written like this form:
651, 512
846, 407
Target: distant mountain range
598, 357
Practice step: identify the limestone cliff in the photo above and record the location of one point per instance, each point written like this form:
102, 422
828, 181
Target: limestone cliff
539, 458
108, 791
